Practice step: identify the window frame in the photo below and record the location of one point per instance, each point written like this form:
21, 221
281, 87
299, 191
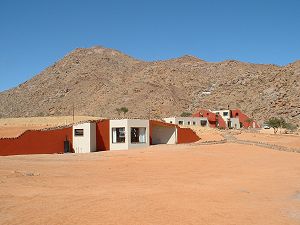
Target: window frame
138, 136
118, 137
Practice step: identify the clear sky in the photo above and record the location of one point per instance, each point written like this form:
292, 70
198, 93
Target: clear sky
35, 34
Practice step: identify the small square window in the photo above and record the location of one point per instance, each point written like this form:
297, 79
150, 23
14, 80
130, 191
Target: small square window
225, 113
78, 132
203, 123
194, 123
180, 122
189, 123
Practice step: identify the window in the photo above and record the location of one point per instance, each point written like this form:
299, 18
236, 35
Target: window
118, 135
138, 135
189, 123
171, 121
194, 123
217, 113
225, 113
78, 132
203, 123
180, 122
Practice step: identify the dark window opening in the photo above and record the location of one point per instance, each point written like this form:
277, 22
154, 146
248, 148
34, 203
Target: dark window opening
194, 123
118, 135
203, 123
78, 132
138, 135
189, 123
180, 122
225, 113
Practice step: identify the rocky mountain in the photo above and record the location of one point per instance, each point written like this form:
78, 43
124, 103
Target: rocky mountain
98, 80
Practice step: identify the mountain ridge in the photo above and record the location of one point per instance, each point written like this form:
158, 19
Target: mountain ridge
98, 80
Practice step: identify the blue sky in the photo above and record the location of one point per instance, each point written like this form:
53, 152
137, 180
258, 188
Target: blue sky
35, 34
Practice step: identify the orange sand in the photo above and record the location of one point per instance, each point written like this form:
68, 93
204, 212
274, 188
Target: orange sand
165, 184
277, 139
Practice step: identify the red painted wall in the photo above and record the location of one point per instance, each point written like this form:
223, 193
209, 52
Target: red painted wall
212, 118
221, 122
36, 142
186, 135
102, 135
242, 118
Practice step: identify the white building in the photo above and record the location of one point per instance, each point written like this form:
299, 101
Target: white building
128, 133
187, 121
225, 114
84, 137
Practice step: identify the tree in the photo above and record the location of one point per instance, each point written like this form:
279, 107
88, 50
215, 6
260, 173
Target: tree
185, 114
291, 127
276, 123
249, 121
124, 110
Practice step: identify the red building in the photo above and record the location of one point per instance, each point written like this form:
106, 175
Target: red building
234, 118
213, 119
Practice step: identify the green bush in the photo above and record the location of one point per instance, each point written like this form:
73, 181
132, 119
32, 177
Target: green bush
185, 114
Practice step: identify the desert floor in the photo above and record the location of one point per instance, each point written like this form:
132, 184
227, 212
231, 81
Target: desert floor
222, 184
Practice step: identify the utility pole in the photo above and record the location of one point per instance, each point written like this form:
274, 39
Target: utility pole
73, 112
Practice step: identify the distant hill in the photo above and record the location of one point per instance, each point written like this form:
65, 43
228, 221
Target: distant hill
98, 80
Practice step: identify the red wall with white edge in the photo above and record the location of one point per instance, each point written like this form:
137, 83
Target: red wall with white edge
212, 118
236, 113
36, 142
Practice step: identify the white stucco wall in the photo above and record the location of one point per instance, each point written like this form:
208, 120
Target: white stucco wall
235, 123
163, 135
87, 142
186, 120
128, 123
225, 118
138, 123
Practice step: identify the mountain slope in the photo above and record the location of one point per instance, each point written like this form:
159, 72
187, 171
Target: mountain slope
99, 80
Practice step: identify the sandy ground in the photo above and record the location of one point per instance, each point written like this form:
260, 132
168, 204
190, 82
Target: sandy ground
206, 133
227, 184
13, 127
277, 139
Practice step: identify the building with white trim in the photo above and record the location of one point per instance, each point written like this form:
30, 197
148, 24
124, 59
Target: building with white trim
188, 121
